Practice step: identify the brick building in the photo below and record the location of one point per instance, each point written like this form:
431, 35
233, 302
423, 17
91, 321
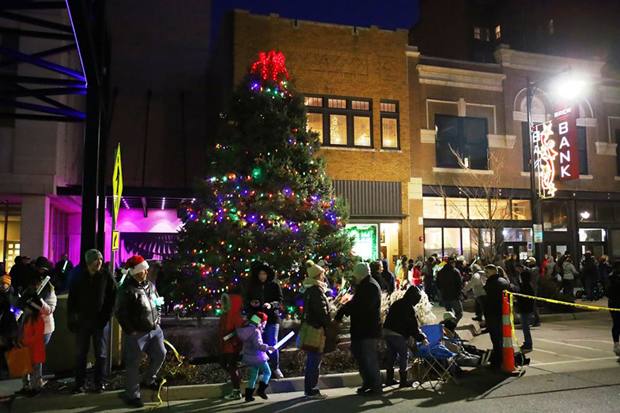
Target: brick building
355, 83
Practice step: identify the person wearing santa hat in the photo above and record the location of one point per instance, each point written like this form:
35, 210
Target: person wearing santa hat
138, 313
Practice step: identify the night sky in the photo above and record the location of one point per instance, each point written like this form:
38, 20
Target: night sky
387, 14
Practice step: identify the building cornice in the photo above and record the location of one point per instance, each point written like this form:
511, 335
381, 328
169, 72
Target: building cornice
516, 59
461, 78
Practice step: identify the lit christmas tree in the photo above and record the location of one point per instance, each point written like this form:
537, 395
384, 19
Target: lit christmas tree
267, 198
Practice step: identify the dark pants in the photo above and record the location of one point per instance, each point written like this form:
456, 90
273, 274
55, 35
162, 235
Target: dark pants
270, 337
456, 306
230, 363
525, 326
480, 307
494, 326
365, 353
590, 283
151, 343
311, 377
568, 287
615, 329
396, 347
83, 338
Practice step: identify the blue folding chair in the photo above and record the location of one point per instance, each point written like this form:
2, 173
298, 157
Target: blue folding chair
434, 358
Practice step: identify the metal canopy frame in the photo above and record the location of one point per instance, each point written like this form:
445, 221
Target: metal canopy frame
86, 36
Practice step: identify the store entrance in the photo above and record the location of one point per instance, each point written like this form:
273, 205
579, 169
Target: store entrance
516, 248
553, 250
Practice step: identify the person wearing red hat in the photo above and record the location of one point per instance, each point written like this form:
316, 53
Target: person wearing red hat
138, 313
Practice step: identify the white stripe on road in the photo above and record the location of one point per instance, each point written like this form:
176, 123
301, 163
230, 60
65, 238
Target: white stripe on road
571, 345
537, 350
572, 361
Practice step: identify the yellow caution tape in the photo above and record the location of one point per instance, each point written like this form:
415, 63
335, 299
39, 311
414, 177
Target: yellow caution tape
179, 359
549, 300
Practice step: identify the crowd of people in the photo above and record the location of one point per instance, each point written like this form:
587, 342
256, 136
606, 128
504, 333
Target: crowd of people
250, 322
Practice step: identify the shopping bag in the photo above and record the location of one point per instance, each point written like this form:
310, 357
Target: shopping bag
19, 361
331, 337
311, 338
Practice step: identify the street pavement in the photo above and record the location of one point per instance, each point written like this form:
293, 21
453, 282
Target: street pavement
572, 369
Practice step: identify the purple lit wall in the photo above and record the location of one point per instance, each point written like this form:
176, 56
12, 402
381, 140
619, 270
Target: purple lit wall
133, 220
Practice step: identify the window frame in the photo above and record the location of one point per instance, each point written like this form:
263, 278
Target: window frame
390, 115
583, 153
348, 112
461, 140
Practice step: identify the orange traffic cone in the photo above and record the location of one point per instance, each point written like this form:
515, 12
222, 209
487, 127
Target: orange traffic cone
508, 353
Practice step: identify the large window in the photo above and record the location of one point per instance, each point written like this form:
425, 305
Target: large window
389, 125
461, 139
453, 240
555, 216
521, 209
582, 146
12, 244
477, 208
433, 207
340, 121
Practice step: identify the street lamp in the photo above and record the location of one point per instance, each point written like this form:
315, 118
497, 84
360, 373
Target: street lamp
567, 86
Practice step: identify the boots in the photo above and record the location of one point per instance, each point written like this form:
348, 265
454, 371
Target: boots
248, 394
403, 379
389, 378
261, 390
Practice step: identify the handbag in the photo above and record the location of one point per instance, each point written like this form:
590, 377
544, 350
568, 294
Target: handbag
311, 338
19, 361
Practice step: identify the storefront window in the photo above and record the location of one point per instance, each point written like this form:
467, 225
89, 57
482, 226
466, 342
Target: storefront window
365, 240
521, 209
466, 247
478, 208
555, 216
432, 241
605, 212
500, 209
451, 241
12, 244
592, 235
433, 208
456, 208
517, 234
361, 130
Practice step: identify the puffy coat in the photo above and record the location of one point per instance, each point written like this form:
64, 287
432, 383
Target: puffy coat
135, 308
267, 292
450, 283
229, 322
364, 310
401, 317
570, 272
494, 288
91, 299
254, 350
33, 339
316, 307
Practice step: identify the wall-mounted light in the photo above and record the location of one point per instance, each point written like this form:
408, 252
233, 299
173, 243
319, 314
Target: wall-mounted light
584, 215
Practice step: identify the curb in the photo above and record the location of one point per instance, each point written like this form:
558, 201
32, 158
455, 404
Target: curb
583, 315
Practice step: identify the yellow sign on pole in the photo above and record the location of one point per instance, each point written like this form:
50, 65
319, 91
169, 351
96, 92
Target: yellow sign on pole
117, 182
115, 240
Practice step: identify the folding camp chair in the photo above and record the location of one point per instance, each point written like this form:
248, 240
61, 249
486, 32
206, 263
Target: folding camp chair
434, 359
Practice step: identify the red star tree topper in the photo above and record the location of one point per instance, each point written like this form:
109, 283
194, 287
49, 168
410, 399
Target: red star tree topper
270, 65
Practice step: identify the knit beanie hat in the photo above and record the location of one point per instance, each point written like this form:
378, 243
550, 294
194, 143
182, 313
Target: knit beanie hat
314, 271
490, 269
258, 318
92, 255
5, 279
136, 264
361, 270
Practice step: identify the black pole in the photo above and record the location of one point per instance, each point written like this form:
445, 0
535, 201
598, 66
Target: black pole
90, 178
5, 248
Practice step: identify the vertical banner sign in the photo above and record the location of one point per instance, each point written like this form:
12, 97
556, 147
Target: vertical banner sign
545, 154
565, 120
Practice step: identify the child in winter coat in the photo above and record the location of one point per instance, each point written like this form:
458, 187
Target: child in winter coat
255, 355
230, 345
32, 338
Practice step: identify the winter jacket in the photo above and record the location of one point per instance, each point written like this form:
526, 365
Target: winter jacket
91, 299
267, 292
613, 290
570, 272
230, 322
364, 310
494, 288
416, 277
388, 280
254, 350
135, 306
589, 269
476, 284
316, 308
401, 317
379, 279
450, 283
48, 304
525, 305
32, 337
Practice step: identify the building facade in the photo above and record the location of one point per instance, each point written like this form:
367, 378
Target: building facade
355, 85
